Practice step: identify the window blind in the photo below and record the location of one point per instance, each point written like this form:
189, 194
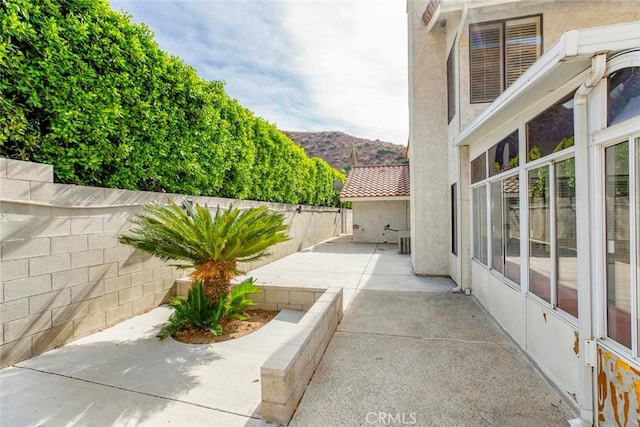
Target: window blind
500, 52
522, 46
486, 62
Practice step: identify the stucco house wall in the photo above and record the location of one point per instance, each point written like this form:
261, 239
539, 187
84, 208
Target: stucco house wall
428, 148
372, 217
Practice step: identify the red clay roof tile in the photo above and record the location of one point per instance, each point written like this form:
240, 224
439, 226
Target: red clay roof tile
377, 181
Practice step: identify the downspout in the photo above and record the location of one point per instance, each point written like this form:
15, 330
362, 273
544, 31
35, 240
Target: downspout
585, 323
456, 46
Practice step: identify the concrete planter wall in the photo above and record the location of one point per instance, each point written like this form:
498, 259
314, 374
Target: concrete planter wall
63, 273
285, 375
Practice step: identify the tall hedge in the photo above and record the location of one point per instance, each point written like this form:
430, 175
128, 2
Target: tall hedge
85, 89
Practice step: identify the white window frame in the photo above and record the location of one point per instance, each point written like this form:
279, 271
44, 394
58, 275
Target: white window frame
602, 138
515, 172
501, 26
550, 162
633, 141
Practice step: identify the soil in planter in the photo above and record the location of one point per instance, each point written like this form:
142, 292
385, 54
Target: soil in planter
232, 328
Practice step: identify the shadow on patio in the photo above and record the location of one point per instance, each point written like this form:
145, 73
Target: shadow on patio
407, 350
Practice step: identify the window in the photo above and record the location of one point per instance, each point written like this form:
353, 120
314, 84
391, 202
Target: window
618, 246
551, 131
511, 215
624, 95
480, 224
566, 240
553, 250
500, 52
540, 233
451, 85
504, 208
504, 155
505, 227
497, 228
454, 221
552, 208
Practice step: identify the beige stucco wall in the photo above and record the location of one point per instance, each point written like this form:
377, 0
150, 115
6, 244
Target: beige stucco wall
428, 148
63, 273
371, 217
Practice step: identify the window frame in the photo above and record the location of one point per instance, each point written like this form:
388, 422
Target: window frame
454, 219
522, 172
501, 24
605, 136
633, 141
550, 161
502, 275
474, 250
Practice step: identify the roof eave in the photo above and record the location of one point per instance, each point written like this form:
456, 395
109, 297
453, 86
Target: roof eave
374, 198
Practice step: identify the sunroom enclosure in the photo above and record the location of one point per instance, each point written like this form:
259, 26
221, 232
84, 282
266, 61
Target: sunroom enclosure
555, 214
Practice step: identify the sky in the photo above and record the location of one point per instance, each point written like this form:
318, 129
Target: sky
303, 65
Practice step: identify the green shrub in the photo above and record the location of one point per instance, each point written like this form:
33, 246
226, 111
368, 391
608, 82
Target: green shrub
85, 89
194, 312
237, 301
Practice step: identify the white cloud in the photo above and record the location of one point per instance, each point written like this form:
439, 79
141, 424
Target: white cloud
353, 55
302, 64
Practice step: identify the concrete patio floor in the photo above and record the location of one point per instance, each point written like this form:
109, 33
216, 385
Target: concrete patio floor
408, 352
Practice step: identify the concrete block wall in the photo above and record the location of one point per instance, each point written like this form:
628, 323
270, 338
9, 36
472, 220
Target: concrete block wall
271, 297
285, 375
63, 273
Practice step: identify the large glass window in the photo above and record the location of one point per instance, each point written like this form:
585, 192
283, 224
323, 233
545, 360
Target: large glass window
618, 243
566, 240
511, 203
551, 131
500, 52
505, 227
540, 233
504, 155
480, 224
624, 95
497, 227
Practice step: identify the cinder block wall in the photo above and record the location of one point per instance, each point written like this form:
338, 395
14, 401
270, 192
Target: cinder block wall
63, 273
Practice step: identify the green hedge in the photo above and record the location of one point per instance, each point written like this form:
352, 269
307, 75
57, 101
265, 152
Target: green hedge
86, 90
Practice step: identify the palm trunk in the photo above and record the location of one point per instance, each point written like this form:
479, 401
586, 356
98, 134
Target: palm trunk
214, 287
216, 277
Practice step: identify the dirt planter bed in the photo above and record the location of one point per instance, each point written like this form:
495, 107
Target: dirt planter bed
286, 373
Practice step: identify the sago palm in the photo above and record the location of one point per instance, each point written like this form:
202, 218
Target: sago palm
212, 245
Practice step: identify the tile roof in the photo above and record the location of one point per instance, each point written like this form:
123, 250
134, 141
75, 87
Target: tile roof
377, 181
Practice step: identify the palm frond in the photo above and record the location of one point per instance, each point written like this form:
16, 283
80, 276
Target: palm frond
193, 236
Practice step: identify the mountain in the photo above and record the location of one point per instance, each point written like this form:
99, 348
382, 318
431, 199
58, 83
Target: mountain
336, 148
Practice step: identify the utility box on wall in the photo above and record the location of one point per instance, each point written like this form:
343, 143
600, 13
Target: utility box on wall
404, 242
